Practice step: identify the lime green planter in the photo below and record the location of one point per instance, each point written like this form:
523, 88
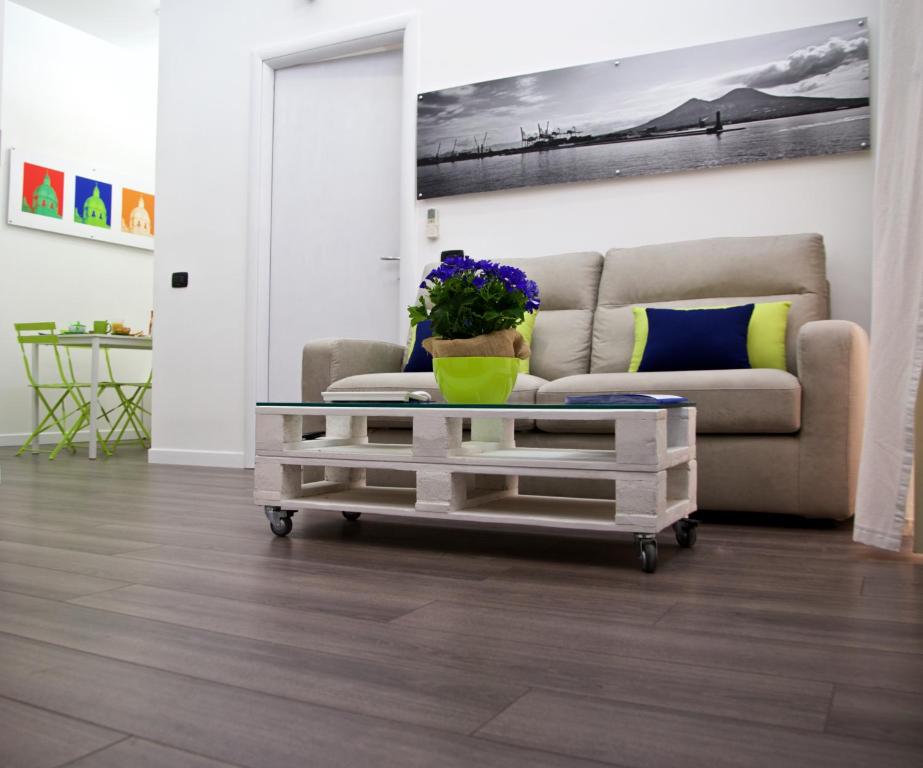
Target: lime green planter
476, 380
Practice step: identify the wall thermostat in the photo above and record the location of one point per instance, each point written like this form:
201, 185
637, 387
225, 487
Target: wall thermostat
432, 223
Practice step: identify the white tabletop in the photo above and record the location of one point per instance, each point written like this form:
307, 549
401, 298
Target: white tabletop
105, 340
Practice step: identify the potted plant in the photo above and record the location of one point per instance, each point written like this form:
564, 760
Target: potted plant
474, 307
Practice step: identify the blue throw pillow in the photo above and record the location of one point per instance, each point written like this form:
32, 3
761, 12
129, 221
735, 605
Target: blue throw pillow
696, 339
418, 360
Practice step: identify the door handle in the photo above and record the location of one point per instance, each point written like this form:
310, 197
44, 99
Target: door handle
389, 258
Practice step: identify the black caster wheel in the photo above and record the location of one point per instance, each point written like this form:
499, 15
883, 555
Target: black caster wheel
648, 556
281, 527
685, 531
352, 516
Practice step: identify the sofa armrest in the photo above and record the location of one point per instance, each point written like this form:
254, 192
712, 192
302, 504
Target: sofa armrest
832, 360
328, 360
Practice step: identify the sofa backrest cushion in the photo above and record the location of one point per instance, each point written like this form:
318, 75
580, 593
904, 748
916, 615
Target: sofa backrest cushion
700, 273
568, 284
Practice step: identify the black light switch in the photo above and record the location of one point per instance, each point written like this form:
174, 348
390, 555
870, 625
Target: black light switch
446, 254
180, 279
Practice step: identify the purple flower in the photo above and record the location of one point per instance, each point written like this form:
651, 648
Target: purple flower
483, 277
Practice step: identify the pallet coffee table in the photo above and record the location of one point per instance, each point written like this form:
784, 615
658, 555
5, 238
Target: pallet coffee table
651, 465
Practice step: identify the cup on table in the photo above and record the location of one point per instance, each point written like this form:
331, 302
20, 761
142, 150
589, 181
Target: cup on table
101, 326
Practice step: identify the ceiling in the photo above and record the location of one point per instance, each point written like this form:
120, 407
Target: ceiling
127, 23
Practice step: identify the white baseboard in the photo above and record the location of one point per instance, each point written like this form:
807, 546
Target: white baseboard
191, 458
15, 439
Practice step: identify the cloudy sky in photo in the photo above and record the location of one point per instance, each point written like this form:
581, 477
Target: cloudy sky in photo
826, 60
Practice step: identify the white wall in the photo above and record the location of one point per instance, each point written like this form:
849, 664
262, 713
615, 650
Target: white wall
70, 95
2, 22
203, 140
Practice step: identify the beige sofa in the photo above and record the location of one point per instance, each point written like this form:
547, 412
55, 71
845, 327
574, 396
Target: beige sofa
768, 440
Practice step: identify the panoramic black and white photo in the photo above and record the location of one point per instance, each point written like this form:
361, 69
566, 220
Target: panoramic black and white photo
788, 94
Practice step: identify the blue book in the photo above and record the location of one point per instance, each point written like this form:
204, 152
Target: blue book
624, 398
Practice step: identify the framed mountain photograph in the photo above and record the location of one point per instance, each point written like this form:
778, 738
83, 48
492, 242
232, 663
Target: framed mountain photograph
787, 94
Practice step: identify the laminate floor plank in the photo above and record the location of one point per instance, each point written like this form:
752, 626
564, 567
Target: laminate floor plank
727, 593
655, 738
808, 661
877, 714
717, 556
623, 604
232, 724
886, 584
682, 575
81, 542
138, 753
56, 585
831, 631
362, 555
764, 698
52, 522
323, 530
36, 738
404, 690
271, 587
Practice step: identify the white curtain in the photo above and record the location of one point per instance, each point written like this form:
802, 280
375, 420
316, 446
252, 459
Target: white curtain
897, 279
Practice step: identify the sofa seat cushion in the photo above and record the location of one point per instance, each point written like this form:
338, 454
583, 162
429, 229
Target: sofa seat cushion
737, 401
524, 392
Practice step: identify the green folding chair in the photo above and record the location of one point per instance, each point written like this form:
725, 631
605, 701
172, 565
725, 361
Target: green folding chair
66, 408
131, 401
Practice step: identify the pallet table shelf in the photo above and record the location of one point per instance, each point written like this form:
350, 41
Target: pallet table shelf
651, 464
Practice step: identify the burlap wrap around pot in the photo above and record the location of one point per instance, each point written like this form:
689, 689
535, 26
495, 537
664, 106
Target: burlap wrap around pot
507, 343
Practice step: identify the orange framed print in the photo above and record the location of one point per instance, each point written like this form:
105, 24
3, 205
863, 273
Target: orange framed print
137, 212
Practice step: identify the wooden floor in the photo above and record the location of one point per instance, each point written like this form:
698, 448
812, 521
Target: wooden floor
149, 618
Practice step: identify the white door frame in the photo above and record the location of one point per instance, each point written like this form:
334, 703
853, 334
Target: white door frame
389, 33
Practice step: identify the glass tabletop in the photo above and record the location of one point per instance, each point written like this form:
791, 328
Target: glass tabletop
504, 406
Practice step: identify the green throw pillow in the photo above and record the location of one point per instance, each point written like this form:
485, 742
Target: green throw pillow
765, 335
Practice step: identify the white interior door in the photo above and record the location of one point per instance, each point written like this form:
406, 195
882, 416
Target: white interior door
335, 208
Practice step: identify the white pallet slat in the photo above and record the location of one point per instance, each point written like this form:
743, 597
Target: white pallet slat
371, 499
534, 511
478, 454
276, 499
584, 470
